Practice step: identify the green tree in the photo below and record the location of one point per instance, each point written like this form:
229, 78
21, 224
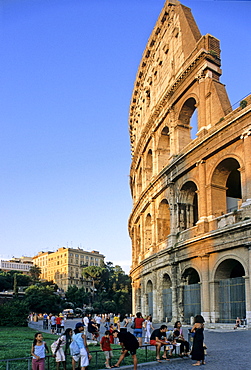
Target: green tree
77, 296
35, 272
42, 299
14, 313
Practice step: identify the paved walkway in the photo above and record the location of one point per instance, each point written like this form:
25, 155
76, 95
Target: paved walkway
227, 350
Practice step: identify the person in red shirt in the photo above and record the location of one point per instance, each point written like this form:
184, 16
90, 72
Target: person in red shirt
106, 348
58, 323
111, 336
138, 322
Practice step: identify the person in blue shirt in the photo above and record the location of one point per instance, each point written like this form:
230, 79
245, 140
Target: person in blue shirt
84, 356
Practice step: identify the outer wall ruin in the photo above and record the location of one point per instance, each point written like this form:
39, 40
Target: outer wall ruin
190, 176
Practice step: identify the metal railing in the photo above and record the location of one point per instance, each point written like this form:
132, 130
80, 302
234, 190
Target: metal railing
145, 353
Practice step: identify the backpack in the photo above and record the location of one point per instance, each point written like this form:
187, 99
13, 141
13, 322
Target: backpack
74, 348
54, 345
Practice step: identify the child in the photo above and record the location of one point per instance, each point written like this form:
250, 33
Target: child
106, 348
38, 349
57, 348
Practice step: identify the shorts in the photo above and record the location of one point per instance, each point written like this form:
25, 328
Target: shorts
108, 354
153, 342
132, 351
83, 357
137, 333
60, 356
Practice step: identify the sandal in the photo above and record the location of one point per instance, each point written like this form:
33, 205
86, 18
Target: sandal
158, 360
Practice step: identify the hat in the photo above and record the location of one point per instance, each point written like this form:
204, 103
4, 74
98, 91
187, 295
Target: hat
79, 325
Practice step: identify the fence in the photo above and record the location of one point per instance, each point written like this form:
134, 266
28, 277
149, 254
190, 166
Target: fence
145, 353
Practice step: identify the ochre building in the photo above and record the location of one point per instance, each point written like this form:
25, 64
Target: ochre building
190, 177
64, 266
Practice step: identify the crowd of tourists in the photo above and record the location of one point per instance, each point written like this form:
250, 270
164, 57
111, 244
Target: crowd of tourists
74, 342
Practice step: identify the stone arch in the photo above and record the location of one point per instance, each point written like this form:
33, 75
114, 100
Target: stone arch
163, 148
191, 294
139, 182
226, 187
149, 294
167, 297
230, 290
184, 119
148, 232
188, 206
163, 221
149, 165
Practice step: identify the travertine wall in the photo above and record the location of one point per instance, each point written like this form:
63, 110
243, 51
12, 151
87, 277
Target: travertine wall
191, 216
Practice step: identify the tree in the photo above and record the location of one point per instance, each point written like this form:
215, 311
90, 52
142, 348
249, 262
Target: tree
93, 273
42, 299
35, 272
77, 296
14, 313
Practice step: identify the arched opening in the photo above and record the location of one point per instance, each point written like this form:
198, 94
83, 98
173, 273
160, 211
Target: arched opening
230, 291
163, 149
139, 182
188, 208
191, 294
167, 298
149, 166
226, 187
163, 221
138, 299
148, 232
149, 291
188, 122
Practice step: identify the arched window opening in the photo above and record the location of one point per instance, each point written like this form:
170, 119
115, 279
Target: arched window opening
149, 296
167, 298
233, 190
163, 221
163, 149
148, 232
230, 290
188, 207
191, 294
188, 121
139, 183
149, 166
226, 187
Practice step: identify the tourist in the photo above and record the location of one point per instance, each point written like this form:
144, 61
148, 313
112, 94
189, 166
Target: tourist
83, 355
138, 324
147, 325
158, 339
184, 345
105, 346
57, 348
198, 346
129, 344
38, 351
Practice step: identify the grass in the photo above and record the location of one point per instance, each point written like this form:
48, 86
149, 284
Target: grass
16, 343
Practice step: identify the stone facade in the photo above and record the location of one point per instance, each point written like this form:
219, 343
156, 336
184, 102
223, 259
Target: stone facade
190, 179
64, 266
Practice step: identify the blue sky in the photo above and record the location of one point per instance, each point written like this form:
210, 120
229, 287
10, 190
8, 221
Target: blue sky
67, 69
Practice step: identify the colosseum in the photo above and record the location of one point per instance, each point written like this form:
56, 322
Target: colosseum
190, 179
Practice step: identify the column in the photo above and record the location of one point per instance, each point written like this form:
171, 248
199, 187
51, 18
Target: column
205, 293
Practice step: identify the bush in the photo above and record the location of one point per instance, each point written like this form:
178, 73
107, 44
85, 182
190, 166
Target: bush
14, 313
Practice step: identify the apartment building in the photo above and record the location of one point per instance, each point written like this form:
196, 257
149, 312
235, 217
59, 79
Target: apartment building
65, 265
22, 264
